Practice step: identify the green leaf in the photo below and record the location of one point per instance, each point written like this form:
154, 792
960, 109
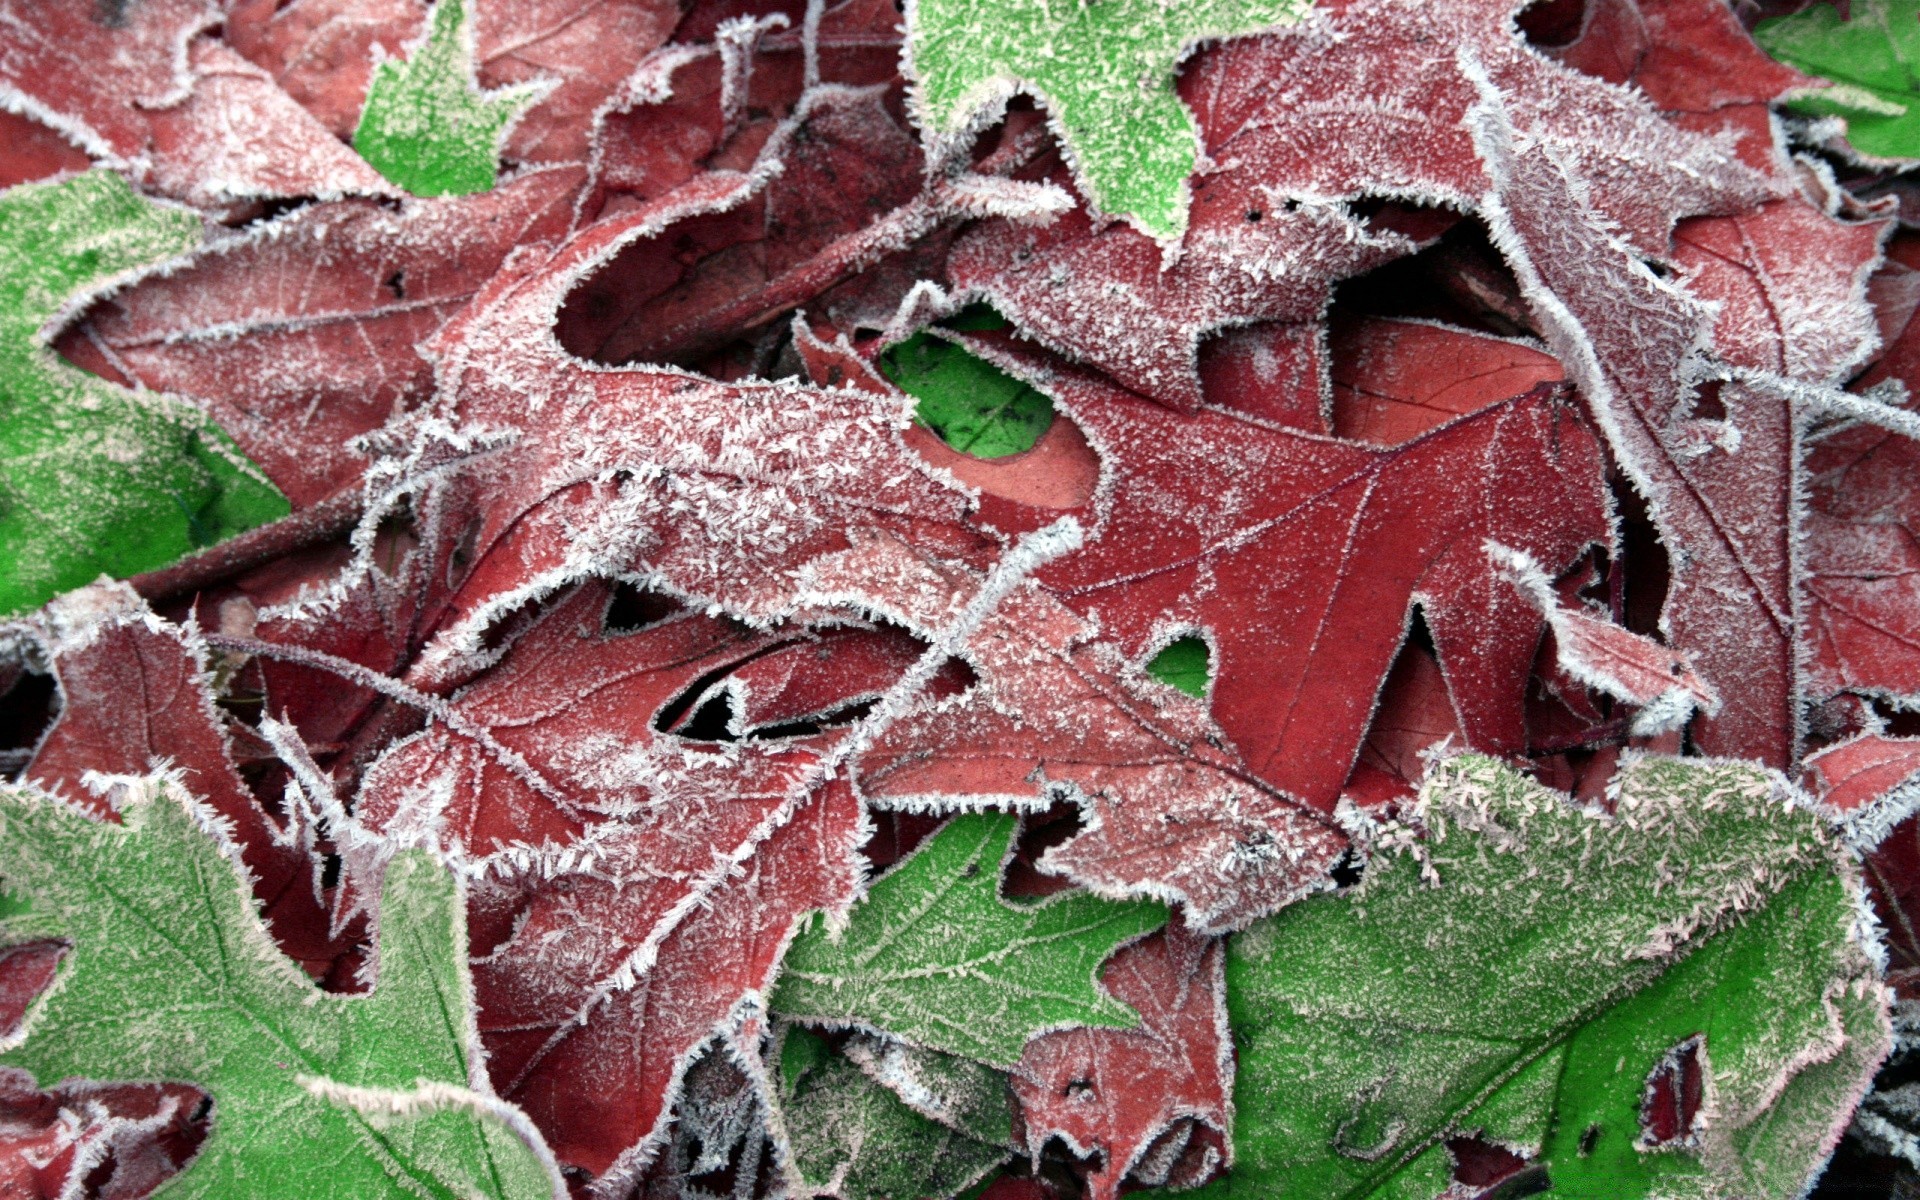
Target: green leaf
94, 477
933, 955
1874, 62
973, 406
1105, 72
1185, 665
427, 126
172, 976
1526, 987
855, 1139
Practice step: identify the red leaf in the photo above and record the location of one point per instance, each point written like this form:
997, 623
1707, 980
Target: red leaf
180, 112
1171, 811
629, 881
1303, 555
303, 335
1152, 1101
1107, 298
136, 698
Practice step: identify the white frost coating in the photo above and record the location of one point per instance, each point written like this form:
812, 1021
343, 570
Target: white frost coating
430, 1096
1832, 401
738, 39
1610, 659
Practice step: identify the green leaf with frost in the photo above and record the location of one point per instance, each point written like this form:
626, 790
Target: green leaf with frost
1185, 664
1104, 70
936, 957
1521, 972
972, 405
95, 477
172, 976
427, 126
1873, 61
855, 1139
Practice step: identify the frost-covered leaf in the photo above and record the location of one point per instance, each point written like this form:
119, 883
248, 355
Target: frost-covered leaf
171, 976
584, 797
304, 334
854, 1139
1361, 101
934, 940
1871, 60
1152, 1102
1301, 556
427, 126
1105, 72
1520, 969
146, 92
136, 696
1862, 627
97, 477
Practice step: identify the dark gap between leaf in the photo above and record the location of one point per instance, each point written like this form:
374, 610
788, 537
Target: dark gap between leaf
633, 608
28, 706
1552, 24
1460, 280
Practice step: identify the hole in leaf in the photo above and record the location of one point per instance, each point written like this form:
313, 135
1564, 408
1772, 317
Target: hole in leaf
836, 718
712, 721
1707, 404
1460, 279
1670, 1104
1186, 664
972, 405
397, 284
633, 608
1347, 870
1589, 1138
1478, 1163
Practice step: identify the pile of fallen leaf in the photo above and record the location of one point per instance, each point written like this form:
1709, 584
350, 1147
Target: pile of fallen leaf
991, 598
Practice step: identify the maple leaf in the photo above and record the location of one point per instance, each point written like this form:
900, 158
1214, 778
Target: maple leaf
556, 779
933, 937
381, 1087
1105, 73
99, 478
1451, 993
427, 126
1152, 1102
178, 111
1868, 60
